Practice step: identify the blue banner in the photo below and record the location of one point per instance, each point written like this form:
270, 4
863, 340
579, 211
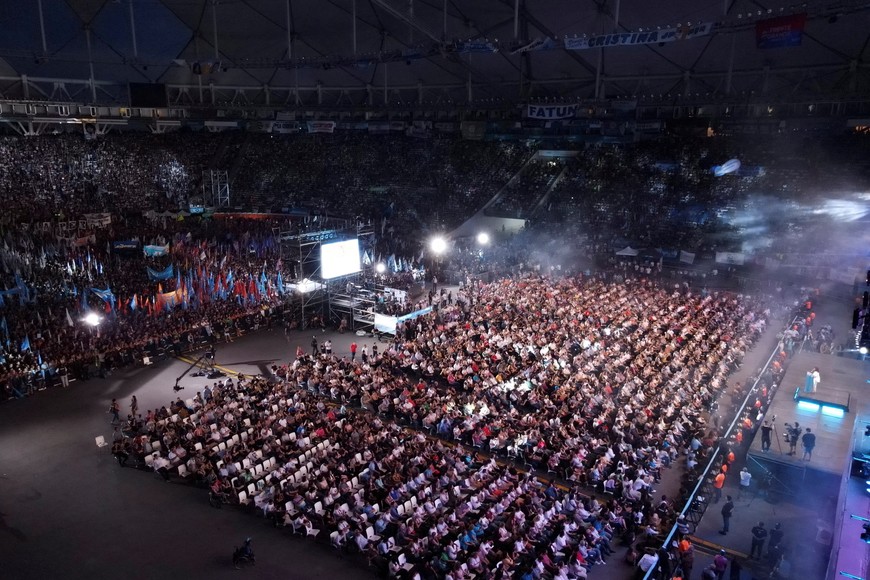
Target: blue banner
164, 274
153, 251
125, 245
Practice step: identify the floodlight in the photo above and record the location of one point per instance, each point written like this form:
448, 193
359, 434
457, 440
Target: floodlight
91, 319
483, 238
438, 245
380, 267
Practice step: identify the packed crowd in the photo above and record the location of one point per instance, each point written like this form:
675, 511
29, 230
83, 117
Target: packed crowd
600, 386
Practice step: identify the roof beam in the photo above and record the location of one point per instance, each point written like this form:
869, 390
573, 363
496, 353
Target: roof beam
408, 19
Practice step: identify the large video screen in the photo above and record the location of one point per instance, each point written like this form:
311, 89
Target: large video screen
339, 259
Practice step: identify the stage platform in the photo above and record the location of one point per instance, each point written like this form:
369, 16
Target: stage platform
830, 412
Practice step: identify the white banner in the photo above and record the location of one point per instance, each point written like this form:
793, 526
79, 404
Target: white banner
640, 38
98, 219
384, 323
550, 112
733, 258
260, 126
321, 126
286, 127
687, 257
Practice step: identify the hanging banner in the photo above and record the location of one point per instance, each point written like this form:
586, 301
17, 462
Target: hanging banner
85, 240
125, 244
259, 126
640, 38
285, 127
473, 130
321, 126
551, 112
687, 257
378, 127
98, 219
734, 258
780, 32
165, 274
152, 251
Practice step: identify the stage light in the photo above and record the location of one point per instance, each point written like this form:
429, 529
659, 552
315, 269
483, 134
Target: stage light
438, 245
863, 350
91, 319
483, 238
380, 267
807, 406
833, 411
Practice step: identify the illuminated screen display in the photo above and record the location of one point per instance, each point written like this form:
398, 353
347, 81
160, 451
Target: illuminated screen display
339, 259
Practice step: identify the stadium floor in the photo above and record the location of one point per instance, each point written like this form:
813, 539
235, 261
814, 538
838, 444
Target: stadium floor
68, 511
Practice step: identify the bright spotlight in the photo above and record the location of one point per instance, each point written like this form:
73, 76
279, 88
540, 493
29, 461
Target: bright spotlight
380, 267
863, 350
91, 319
438, 245
483, 238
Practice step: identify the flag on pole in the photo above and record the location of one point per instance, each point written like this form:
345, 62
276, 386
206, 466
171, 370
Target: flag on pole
25, 344
69, 319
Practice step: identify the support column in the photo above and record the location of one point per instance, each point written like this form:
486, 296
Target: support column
290, 33
217, 52
386, 89
598, 73
687, 81
468, 88
133, 31
419, 92
353, 5
516, 19
730, 74
616, 17
444, 31
319, 93
267, 92
90, 64
42, 28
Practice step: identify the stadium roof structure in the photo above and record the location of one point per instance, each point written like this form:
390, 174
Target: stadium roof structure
371, 52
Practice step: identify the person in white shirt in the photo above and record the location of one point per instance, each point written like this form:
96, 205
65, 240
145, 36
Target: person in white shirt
745, 480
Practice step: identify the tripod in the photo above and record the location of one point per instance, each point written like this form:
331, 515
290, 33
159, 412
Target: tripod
776, 434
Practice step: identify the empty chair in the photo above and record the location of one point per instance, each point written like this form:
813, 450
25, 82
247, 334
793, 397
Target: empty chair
101, 441
371, 535
198, 446
243, 498
182, 471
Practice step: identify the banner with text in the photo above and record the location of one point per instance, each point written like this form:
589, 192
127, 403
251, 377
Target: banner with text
321, 126
780, 31
640, 38
733, 258
551, 112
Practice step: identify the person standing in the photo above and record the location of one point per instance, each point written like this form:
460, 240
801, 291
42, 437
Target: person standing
353, 348
314, 346
759, 535
745, 480
776, 535
794, 434
809, 441
718, 483
727, 511
817, 378
114, 409
720, 562
765, 436
134, 406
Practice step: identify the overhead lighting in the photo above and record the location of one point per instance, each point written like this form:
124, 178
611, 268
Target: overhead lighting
483, 238
380, 267
438, 245
91, 319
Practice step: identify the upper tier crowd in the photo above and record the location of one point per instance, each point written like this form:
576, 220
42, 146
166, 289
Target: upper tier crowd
598, 385
407, 187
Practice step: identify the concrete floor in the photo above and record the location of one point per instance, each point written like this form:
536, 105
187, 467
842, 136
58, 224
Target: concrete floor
68, 511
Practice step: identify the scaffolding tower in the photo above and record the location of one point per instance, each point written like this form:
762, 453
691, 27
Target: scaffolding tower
310, 295
216, 188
